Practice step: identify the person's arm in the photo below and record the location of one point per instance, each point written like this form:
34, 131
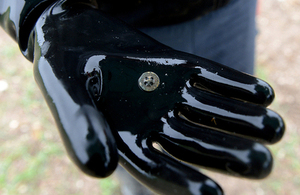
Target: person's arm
18, 18
84, 130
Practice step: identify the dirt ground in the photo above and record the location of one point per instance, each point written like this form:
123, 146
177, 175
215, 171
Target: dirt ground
278, 57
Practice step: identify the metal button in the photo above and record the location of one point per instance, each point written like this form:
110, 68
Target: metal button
149, 81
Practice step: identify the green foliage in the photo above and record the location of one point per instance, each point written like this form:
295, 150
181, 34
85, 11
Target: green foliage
108, 186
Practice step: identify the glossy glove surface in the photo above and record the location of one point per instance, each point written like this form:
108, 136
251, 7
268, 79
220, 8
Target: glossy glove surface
88, 67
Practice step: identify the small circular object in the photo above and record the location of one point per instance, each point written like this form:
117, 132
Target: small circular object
149, 81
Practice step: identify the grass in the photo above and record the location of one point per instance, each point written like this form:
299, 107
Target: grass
15, 176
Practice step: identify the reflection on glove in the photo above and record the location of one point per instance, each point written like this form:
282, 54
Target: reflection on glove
115, 92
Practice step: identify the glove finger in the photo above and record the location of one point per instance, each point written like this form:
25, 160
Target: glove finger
228, 82
161, 173
231, 116
84, 130
214, 150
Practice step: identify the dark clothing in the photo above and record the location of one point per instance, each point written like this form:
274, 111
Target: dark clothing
23, 14
146, 13
226, 35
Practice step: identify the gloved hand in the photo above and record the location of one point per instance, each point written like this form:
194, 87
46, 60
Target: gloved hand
115, 92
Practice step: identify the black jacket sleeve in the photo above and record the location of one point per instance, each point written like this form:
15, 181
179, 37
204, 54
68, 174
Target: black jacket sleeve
18, 17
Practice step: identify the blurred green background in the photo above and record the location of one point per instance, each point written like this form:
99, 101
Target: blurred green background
33, 159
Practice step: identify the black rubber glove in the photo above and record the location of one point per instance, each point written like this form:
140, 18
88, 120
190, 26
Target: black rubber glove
90, 68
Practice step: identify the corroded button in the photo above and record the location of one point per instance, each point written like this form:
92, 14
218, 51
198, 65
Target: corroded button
149, 81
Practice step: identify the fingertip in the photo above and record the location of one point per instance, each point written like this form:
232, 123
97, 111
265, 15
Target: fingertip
279, 131
262, 162
258, 165
100, 145
96, 167
89, 141
274, 127
265, 93
210, 187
